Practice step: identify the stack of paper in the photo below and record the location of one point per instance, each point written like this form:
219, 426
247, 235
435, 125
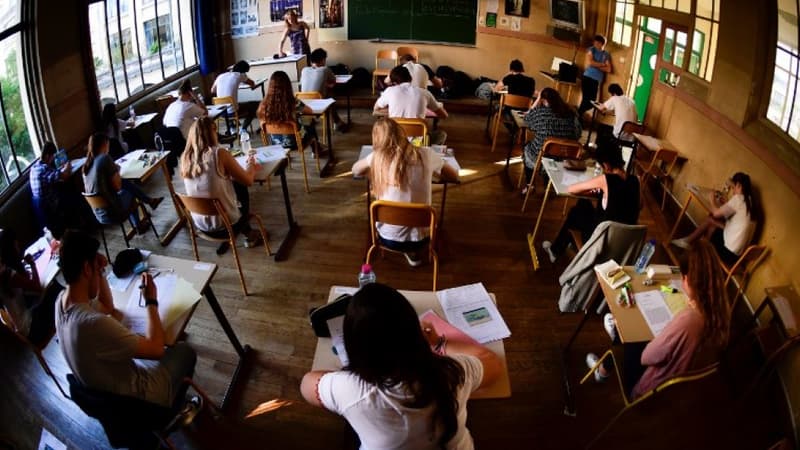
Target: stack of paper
470, 309
612, 273
175, 297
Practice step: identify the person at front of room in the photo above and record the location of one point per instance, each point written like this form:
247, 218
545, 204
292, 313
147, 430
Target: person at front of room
404, 100
598, 64
319, 78
624, 110
227, 85
401, 172
729, 227
297, 31
396, 392
516, 82
618, 200
101, 352
549, 117
210, 171
693, 338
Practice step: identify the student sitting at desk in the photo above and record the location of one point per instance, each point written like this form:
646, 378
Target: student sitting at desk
20, 288
113, 127
691, 340
624, 110
280, 106
419, 74
618, 200
403, 100
549, 117
396, 392
401, 172
182, 112
50, 198
319, 78
729, 227
227, 85
516, 82
210, 171
101, 352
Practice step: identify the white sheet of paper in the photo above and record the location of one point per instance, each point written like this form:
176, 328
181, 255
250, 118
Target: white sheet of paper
175, 296
336, 327
785, 311
654, 309
318, 104
119, 284
470, 309
340, 290
50, 442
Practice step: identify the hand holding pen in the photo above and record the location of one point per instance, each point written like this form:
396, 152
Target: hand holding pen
147, 290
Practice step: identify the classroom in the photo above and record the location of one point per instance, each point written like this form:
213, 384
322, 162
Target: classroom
527, 126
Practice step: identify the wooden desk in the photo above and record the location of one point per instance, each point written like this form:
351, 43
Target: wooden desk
131, 168
607, 119
557, 84
560, 180
704, 197
251, 94
265, 67
343, 81
324, 359
448, 159
322, 107
46, 261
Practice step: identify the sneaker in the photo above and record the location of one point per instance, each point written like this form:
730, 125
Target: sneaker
610, 325
548, 247
411, 261
682, 243
591, 360
223, 248
253, 239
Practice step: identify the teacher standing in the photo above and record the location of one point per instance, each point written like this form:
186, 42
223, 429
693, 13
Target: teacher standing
297, 31
598, 64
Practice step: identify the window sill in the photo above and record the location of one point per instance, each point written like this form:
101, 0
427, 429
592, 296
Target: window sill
156, 87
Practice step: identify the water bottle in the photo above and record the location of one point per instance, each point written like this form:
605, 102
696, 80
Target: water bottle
644, 257
158, 141
366, 276
131, 113
48, 236
244, 141
598, 169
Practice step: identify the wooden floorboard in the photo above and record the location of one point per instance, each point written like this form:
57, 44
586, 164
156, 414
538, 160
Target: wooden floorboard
484, 240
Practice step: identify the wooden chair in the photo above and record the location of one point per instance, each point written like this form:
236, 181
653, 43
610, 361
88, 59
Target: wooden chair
659, 169
291, 128
402, 51
744, 267
162, 102
228, 100
508, 101
630, 128
414, 128
380, 71
407, 215
8, 323
313, 96
97, 201
213, 207
552, 148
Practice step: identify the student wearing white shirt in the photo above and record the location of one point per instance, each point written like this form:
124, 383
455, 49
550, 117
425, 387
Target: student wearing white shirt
227, 85
401, 392
319, 78
419, 76
182, 112
404, 100
624, 110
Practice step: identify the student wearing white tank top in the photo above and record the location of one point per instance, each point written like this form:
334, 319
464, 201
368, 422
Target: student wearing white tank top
210, 171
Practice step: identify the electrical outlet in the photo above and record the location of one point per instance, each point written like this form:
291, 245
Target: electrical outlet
481, 21
504, 21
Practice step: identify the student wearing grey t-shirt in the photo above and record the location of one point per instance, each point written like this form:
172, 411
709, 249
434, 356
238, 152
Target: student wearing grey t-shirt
319, 78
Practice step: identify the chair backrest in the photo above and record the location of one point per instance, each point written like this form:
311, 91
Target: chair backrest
308, 95
163, 102
289, 127
222, 100
402, 51
202, 205
516, 101
403, 214
562, 148
96, 201
665, 160
385, 55
413, 127
633, 127
751, 257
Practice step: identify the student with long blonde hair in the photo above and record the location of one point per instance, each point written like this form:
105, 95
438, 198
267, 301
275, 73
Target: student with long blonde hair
693, 338
401, 172
210, 171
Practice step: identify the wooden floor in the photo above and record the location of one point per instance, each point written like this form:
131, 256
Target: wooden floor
484, 240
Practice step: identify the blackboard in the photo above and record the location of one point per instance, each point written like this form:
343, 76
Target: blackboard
451, 21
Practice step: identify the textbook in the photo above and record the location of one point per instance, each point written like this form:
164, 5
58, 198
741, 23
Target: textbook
612, 273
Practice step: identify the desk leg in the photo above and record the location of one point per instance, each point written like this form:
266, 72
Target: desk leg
329, 142
675, 227
532, 236
294, 229
441, 215
167, 238
591, 127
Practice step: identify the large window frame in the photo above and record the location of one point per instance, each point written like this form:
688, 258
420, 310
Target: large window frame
783, 108
125, 73
622, 30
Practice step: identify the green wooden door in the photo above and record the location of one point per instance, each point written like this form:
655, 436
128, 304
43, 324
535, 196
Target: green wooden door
647, 66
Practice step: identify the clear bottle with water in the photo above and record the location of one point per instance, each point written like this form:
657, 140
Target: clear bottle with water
644, 257
244, 141
366, 276
131, 114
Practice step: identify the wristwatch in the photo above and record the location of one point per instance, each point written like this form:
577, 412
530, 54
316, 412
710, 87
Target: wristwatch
151, 301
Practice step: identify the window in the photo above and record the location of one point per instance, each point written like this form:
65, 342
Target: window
684, 6
704, 42
17, 149
623, 22
783, 109
147, 42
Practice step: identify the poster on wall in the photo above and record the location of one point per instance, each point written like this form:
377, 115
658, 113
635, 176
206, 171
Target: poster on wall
521, 8
331, 13
278, 9
244, 18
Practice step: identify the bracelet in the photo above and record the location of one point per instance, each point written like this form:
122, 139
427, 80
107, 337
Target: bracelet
151, 301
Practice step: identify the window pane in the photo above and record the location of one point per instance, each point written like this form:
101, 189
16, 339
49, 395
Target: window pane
671, 4
130, 50
18, 119
704, 8
102, 60
187, 32
712, 51
787, 23
9, 13
627, 32
685, 6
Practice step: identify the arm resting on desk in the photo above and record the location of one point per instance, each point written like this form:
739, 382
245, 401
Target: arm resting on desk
597, 183
449, 174
492, 366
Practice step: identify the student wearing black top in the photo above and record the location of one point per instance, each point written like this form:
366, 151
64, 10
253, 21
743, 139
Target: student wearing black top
516, 82
618, 200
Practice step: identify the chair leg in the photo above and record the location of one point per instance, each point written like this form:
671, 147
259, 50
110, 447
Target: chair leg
435, 259
530, 188
566, 203
264, 234
317, 146
149, 217
305, 171
124, 234
232, 241
496, 126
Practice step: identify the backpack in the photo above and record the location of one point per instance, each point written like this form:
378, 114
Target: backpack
340, 69
361, 78
484, 90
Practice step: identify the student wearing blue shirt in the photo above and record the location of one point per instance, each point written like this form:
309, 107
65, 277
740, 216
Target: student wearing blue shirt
598, 64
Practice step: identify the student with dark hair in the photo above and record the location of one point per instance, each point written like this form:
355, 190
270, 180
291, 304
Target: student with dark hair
617, 200
598, 64
20, 288
419, 74
280, 106
549, 117
516, 82
404, 100
101, 176
101, 352
319, 78
182, 112
624, 110
396, 392
46, 192
113, 127
730, 227
227, 85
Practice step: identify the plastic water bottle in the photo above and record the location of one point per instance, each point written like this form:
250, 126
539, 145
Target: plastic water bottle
244, 141
366, 276
644, 258
131, 113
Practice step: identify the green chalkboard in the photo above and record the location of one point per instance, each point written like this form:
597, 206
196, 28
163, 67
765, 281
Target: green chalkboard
451, 21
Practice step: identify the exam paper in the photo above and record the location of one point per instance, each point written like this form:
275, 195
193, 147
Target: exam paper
175, 297
470, 309
654, 310
336, 327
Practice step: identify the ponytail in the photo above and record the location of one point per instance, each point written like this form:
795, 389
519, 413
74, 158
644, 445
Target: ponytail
743, 179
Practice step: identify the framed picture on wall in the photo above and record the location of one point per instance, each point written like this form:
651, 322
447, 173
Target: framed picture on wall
521, 8
331, 13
